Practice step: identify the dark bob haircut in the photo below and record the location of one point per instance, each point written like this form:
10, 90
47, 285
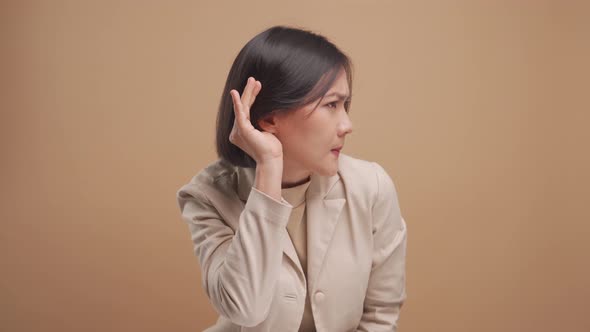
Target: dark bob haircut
295, 67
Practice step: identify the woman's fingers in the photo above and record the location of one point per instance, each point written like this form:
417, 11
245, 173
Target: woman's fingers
242, 104
257, 88
247, 99
237, 104
250, 91
247, 94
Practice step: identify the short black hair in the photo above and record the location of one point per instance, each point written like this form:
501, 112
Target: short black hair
295, 66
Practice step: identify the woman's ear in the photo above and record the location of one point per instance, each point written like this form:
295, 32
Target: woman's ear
269, 123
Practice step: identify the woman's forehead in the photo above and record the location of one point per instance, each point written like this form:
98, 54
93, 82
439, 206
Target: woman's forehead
339, 87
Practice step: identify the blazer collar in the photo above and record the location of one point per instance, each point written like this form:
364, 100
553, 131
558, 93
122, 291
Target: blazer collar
325, 198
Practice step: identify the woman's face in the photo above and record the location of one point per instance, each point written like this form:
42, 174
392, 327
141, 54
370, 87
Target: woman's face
309, 136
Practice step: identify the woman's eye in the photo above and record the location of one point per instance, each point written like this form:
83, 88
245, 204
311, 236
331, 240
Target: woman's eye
332, 104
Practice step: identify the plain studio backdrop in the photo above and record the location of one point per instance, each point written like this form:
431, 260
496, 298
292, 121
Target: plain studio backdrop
479, 110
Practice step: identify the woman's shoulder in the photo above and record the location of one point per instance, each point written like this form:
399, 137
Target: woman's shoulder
366, 177
210, 178
213, 171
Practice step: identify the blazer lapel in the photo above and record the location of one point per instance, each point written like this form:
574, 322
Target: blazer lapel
322, 212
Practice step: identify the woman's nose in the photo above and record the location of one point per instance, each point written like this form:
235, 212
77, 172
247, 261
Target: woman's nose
345, 126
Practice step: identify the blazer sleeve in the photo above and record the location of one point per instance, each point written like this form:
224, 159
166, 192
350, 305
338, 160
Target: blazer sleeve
386, 291
239, 270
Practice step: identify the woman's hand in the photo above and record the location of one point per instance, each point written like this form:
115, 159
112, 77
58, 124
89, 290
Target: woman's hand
260, 145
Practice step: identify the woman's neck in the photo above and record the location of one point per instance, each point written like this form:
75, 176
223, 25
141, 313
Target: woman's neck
290, 184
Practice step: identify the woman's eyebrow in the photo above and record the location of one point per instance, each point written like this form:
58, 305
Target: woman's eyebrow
340, 95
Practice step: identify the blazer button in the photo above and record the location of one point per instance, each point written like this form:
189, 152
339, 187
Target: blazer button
319, 296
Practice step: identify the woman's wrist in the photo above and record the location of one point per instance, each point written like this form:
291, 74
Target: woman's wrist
269, 175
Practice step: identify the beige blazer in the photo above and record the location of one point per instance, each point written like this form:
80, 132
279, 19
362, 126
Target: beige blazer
250, 270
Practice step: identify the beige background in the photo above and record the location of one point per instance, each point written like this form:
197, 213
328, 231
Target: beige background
479, 110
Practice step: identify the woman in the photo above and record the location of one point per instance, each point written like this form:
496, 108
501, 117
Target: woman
290, 233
